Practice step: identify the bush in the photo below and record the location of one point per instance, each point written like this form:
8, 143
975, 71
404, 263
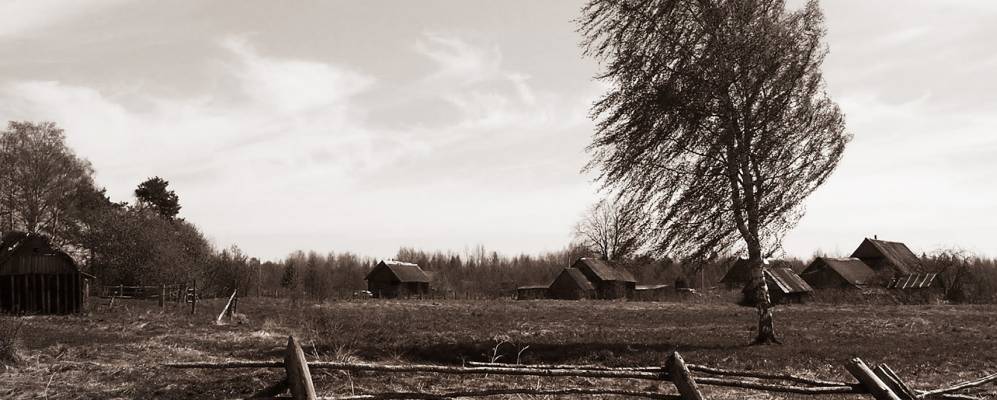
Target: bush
10, 330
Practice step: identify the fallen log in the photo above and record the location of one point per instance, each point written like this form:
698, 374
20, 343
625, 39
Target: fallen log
500, 392
764, 375
771, 387
428, 368
962, 385
590, 367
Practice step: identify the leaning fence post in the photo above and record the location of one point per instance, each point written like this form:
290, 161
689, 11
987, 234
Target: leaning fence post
890, 378
298, 377
683, 381
869, 380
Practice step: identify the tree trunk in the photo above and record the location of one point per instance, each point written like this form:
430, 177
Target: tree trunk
766, 323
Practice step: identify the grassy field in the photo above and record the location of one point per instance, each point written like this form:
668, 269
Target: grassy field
116, 353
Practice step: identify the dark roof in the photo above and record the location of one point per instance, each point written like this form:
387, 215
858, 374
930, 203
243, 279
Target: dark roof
604, 271
13, 242
578, 277
787, 281
912, 281
740, 271
405, 272
853, 270
896, 253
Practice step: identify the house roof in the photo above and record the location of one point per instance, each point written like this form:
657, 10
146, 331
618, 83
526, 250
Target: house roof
788, 281
604, 271
896, 253
912, 281
578, 277
13, 242
405, 272
740, 271
853, 270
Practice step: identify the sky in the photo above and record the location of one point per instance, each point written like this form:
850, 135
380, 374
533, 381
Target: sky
368, 126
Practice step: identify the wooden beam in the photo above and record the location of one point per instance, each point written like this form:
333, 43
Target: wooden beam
299, 378
682, 379
890, 378
869, 380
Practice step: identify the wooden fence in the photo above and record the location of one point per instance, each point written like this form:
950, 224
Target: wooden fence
881, 382
177, 293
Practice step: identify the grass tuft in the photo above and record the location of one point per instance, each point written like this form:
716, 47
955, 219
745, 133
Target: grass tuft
10, 331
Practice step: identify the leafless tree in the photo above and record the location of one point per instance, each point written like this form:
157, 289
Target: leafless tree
614, 230
717, 121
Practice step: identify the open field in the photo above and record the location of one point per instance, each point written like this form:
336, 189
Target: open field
116, 354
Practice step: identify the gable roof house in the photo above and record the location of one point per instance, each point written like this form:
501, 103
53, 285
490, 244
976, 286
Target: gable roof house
893, 258
610, 282
838, 273
739, 274
37, 277
571, 284
393, 279
785, 286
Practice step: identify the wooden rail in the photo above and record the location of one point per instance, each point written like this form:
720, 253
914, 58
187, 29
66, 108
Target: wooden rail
880, 382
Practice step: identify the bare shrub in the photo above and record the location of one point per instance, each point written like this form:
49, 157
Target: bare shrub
10, 330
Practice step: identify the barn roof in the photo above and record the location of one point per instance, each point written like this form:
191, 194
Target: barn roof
896, 253
788, 281
405, 272
740, 272
912, 281
604, 271
853, 270
14, 242
578, 277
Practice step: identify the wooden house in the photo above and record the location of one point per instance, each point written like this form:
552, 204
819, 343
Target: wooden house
610, 282
394, 279
890, 258
838, 273
37, 278
531, 292
739, 273
571, 284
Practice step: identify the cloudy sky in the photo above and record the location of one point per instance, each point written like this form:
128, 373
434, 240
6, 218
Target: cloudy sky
366, 126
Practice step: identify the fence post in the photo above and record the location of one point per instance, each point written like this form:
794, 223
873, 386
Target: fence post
890, 378
162, 297
683, 381
869, 380
298, 377
193, 298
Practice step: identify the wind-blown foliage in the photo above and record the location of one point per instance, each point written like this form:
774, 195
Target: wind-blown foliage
717, 123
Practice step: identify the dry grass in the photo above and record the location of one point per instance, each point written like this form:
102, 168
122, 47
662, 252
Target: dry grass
10, 334
116, 354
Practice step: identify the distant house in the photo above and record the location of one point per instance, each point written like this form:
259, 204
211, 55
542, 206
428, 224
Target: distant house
785, 286
393, 279
739, 274
838, 273
610, 282
571, 284
37, 278
892, 258
531, 292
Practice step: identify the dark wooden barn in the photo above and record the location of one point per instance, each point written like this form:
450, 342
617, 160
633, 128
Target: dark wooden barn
888, 257
610, 282
531, 292
394, 279
739, 273
838, 273
571, 284
37, 278
785, 286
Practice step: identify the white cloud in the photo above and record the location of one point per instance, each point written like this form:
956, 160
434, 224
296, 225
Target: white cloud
23, 16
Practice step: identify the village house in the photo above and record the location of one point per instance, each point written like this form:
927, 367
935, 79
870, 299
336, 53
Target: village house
394, 279
571, 284
610, 282
838, 273
38, 278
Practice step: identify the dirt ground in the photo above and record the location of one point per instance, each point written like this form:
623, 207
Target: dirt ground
118, 353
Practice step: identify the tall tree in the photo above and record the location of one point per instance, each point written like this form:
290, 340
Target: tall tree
717, 121
611, 229
154, 193
39, 178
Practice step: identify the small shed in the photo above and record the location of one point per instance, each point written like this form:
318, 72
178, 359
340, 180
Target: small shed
531, 292
739, 274
890, 257
38, 278
838, 273
785, 286
610, 282
393, 279
571, 284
